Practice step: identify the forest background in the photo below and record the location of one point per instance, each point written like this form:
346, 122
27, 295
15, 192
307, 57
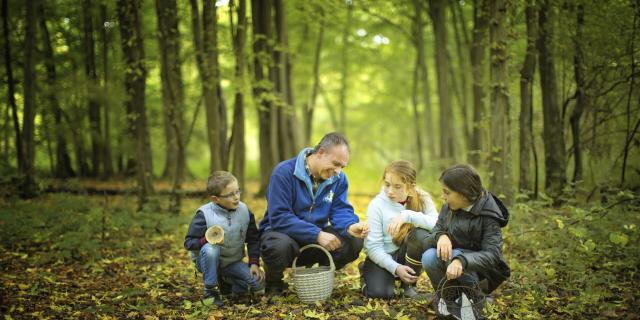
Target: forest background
114, 113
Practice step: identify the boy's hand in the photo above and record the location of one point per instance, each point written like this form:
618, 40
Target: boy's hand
256, 272
359, 230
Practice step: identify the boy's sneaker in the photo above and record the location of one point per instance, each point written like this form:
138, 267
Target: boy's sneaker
212, 297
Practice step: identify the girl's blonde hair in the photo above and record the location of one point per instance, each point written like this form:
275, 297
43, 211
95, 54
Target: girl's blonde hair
417, 199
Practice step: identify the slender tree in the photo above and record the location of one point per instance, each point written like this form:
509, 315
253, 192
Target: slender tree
29, 86
11, 86
62, 168
581, 96
423, 76
526, 100
135, 85
106, 139
461, 39
447, 141
500, 124
630, 132
418, 41
553, 133
262, 86
237, 141
478, 65
205, 43
344, 70
315, 88
91, 84
172, 94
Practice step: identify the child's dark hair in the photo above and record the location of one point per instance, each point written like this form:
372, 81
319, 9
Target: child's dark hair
218, 181
463, 179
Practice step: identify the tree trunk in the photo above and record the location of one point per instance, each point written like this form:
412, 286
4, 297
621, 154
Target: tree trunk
316, 80
287, 120
423, 76
581, 97
500, 124
261, 17
135, 76
553, 134
460, 32
418, 42
526, 98
205, 43
237, 142
630, 133
11, 89
29, 86
437, 13
344, 80
62, 168
106, 154
91, 84
478, 69
172, 94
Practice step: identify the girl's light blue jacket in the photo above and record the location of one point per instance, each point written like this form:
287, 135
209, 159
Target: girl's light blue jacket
379, 244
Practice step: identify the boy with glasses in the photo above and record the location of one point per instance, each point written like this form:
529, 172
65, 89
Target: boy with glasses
223, 260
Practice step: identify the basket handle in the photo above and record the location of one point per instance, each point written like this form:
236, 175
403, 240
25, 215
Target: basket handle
313, 245
444, 281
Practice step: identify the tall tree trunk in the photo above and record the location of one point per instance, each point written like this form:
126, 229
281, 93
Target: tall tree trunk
500, 124
417, 38
287, 121
630, 133
581, 97
106, 154
172, 93
28, 129
11, 89
526, 98
553, 134
460, 31
478, 70
261, 17
316, 80
423, 76
344, 80
205, 42
135, 76
237, 142
91, 84
62, 168
437, 13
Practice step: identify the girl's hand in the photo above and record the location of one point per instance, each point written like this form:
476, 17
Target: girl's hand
406, 274
454, 270
444, 248
394, 225
256, 272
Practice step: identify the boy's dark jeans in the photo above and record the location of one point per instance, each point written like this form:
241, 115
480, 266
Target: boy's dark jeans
278, 251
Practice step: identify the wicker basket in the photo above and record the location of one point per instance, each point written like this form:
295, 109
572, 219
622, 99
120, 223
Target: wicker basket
454, 301
315, 283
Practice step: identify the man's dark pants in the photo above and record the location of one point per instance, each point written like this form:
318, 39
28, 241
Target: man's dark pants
278, 251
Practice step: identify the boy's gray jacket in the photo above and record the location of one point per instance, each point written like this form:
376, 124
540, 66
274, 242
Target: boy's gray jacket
235, 224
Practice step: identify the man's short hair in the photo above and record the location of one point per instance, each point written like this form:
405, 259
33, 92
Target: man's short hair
218, 181
331, 140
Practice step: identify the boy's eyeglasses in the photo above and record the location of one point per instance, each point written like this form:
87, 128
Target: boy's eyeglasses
231, 194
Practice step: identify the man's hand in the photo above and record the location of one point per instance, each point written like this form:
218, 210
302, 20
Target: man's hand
256, 272
359, 230
328, 240
454, 270
406, 274
444, 248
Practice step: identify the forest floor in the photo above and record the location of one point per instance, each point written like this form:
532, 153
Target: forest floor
80, 256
